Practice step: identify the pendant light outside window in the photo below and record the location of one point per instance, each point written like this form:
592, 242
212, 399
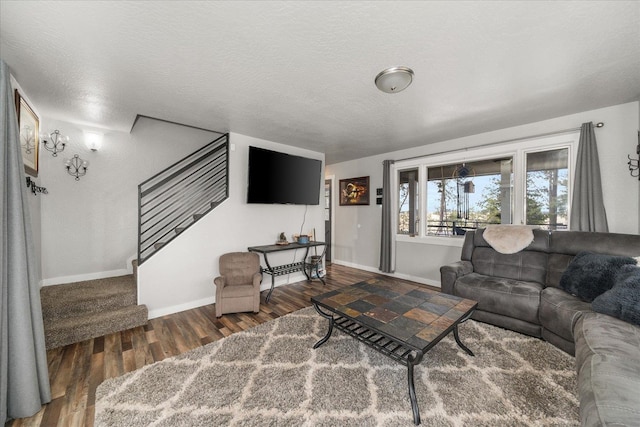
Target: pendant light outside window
395, 79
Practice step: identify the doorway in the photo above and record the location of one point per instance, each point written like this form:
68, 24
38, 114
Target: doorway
327, 217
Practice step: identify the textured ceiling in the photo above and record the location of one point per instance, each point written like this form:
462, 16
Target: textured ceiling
301, 73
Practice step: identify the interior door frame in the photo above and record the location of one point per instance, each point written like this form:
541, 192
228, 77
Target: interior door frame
332, 218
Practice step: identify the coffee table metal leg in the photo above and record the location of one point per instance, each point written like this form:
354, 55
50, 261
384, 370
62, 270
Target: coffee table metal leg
462, 346
328, 317
411, 362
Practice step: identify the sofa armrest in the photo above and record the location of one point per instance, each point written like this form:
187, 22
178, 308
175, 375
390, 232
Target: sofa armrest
257, 279
219, 282
450, 273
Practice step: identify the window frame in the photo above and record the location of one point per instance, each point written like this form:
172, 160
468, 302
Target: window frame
517, 150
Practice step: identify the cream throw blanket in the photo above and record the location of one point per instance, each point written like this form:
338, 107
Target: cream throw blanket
508, 239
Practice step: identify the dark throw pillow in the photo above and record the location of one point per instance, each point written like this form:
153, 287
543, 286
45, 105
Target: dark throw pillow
623, 300
589, 275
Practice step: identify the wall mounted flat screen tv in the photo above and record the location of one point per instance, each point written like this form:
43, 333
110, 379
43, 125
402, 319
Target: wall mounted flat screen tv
283, 178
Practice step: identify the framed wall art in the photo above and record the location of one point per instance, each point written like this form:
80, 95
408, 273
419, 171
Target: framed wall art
354, 191
29, 126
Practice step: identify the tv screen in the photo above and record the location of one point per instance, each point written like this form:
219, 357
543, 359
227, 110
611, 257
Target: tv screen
283, 178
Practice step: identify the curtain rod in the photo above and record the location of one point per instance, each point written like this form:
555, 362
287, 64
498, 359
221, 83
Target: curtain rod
540, 135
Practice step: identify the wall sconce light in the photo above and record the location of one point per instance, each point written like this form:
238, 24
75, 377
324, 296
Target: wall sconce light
93, 140
634, 164
54, 142
76, 166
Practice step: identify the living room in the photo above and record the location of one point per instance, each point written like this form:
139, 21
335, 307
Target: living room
87, 229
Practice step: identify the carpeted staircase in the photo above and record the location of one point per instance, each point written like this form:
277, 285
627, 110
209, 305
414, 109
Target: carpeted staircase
78, 311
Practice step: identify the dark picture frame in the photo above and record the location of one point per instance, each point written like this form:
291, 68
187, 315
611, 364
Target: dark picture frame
29, 126
354, 191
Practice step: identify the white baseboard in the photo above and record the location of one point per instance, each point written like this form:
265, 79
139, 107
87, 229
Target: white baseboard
395, 274
83, 277
163, 311
266, 285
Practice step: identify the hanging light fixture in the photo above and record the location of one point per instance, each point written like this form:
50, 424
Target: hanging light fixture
395, 79
76, 166
54, 142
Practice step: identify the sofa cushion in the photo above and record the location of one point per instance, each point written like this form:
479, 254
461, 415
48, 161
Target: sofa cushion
590, 275
608, 364
528, 266
560, 310
508, 297
623, 300
564, 245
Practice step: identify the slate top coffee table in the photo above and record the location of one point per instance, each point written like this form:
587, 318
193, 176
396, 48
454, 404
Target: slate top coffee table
401, 321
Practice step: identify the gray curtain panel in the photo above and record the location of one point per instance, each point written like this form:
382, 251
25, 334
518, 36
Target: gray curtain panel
24, 377
386, 238
587, 206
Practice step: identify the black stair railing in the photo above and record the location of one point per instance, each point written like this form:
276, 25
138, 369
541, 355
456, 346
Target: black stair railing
174, 199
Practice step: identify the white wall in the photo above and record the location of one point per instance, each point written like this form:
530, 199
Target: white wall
90, 226
180, 276
359, 247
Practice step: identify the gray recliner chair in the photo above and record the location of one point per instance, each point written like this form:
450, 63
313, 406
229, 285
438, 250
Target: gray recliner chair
238, 286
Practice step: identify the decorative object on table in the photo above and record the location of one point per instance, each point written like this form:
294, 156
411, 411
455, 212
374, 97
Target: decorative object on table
634, 164
282, 239
76, 166
35, 189
303, 239
345, 383
29, 126
54, 142
354, 191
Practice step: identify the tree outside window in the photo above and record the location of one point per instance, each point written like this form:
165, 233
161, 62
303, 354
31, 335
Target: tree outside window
469, 195
547, 189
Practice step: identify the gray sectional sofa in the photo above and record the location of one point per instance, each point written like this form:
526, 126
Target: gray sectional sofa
521, 292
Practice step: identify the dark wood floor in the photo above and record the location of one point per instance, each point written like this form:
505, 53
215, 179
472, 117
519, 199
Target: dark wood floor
77, 369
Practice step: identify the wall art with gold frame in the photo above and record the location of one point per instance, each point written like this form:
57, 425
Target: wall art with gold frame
354, 191
29, 126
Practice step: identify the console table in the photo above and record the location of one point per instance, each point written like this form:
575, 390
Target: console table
279, 270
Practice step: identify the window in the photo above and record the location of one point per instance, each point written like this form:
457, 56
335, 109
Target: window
408, 202
469, 195
547, 188
524, 182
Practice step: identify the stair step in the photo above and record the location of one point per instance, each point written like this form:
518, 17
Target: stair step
81, 298
158, 245
197, 216
134, 263
179, 230
79, 328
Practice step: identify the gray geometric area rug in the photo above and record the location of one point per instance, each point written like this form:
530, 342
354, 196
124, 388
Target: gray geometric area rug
270, 376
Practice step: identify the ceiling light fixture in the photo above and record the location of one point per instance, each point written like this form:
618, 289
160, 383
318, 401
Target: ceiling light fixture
395, 79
